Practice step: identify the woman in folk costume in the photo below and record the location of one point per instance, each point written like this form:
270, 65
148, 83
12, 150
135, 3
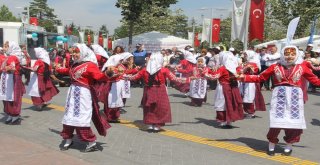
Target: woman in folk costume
251, 92
12, 87
82, 103
198, 84
41, 88
113, 99
287, 108
228, 101
185, 68
155, 100
101, 55
127, 65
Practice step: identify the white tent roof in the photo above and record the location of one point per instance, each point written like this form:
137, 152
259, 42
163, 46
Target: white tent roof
301, 42
154, 41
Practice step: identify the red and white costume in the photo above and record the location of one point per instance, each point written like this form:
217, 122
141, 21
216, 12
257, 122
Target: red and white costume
82, 103
185, 68
227, 100
41, 88
251, 92
12, 87
101, 55
155, 100
287, 106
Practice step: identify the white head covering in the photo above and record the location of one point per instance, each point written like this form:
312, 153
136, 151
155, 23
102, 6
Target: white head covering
189, 56
97, 49
155, 63
126, 55
15, 50
228, 60
253, 57
113, 61
204, 61
284, 62
86, 54
42, 54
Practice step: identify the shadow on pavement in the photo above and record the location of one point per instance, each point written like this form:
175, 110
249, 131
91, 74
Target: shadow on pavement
178, 95
315, 122
212, 123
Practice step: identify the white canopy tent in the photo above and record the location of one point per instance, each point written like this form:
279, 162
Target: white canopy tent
154, 41
300, 42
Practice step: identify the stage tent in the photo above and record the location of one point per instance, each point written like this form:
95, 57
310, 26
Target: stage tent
154, 41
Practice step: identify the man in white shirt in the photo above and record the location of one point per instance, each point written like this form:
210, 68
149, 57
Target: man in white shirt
270, 59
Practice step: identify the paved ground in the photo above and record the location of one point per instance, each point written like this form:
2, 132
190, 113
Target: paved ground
192, 138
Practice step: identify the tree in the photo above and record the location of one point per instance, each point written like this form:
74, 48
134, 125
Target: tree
132, 10
286, 10
225, 31
45, 14
103, 30
6, 14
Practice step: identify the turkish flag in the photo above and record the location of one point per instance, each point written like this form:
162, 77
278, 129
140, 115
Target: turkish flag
215, 30
34, 21
89, 39
196, 39
109, 43
69, 30
100, 40
256, 20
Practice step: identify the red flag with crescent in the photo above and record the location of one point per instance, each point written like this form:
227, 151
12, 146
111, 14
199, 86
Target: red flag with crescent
196, 39
215, 30
100, 40
256, 20
89, 39
34, 21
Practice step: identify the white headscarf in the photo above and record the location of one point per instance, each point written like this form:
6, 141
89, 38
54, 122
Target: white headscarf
253, 57
284, 62
204, 61
97, 49
189, 56
42, 54
155, 63
113, 61
15, 50
126, 55
228, 60
86, 54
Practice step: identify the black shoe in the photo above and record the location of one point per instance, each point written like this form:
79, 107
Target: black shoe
287, 153
226, 127
114, 121
270, 153
64, 148
16, 122
91, 149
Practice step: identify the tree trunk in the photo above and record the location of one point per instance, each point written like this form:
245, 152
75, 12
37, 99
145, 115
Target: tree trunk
130, 35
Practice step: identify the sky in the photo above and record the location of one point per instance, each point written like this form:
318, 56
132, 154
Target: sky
95, 13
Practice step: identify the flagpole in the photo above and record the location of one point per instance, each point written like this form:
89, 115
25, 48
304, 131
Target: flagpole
211, 28
245, 44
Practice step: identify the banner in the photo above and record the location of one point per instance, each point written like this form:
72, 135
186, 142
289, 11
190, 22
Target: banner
60, 29
109, 43
256, 20
215, 30
292, 29
89, 39
190, 36
34, 21
206, 30
312, 30
100, 41
81, 34
240, 16
196, 40
95, 39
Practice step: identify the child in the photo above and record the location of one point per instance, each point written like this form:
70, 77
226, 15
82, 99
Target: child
287, 108
198, 84
228, 102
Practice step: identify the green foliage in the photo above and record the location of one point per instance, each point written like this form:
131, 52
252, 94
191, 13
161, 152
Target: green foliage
136, 13
45, 14
286, 10
6, 15
237, 44
225, 31
103, 30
